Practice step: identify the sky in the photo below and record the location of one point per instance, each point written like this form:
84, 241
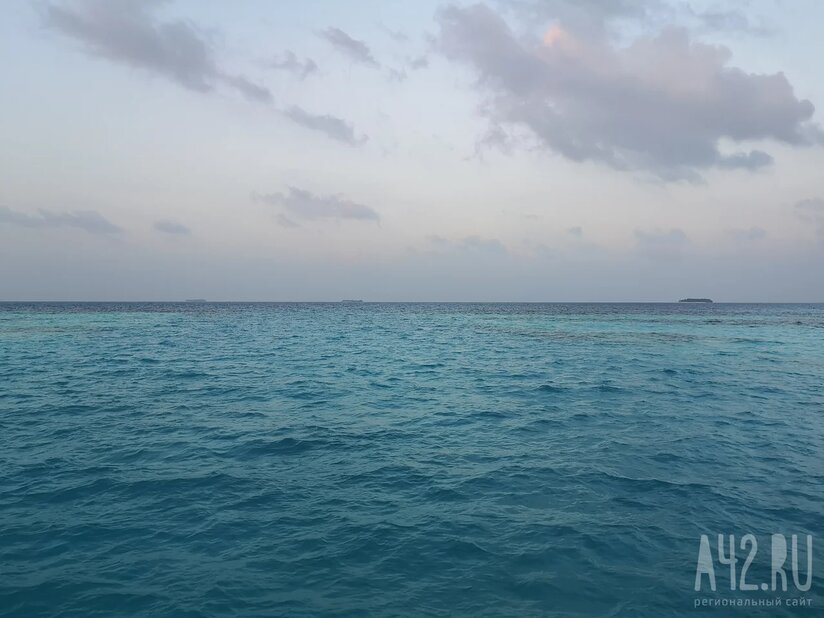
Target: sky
507, 150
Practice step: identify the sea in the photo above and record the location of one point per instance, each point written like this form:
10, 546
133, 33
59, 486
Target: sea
405, 459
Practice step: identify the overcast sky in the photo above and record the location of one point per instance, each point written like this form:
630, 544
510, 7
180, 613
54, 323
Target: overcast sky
522, 150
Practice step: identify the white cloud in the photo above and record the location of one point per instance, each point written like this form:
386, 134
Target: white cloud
662, 104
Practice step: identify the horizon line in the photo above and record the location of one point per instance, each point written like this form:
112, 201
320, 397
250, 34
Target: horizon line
421, 302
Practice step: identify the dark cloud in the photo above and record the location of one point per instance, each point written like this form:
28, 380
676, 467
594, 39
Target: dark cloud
171, 227
334, 127
302, 204
662, 104
289, 62
356, 50
88, 220
127, 32
576, 231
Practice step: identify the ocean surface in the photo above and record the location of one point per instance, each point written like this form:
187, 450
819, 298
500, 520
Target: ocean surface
404, 459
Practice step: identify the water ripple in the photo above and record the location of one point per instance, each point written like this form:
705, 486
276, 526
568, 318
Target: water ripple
387, 460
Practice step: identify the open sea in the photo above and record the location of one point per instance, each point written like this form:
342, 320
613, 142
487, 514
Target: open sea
406, 459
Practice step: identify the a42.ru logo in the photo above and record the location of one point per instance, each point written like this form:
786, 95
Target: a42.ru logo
781, 561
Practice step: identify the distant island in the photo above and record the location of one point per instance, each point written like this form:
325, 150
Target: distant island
695, 300
195, 300
351, 300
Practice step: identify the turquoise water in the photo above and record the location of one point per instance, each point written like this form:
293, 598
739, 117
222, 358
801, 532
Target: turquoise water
401, 459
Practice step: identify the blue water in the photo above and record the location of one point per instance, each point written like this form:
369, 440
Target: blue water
401, 459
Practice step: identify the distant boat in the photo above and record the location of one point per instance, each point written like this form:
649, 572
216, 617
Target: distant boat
349, 301
695, 300
195, 300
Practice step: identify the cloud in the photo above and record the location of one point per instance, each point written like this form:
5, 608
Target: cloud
475, 244
728, 21
662, 104
486, 245
334, 127
495, 137
285, 221
88, 220
421, 62
126, 32
303, 204
576, 231
753, 160
354, 49
812, 211
397, 75
171, 227
413, 64
588, 15
395, 35
813, 206
250, 90
661, 245
289, 62
747, 235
